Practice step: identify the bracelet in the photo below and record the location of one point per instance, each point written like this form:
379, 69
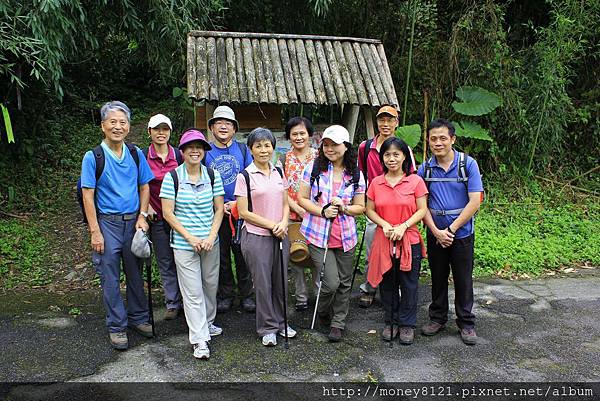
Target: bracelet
450, 230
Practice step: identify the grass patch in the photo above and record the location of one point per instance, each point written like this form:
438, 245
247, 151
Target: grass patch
24, 254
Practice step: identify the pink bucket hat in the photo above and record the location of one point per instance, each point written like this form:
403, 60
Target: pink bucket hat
192, 135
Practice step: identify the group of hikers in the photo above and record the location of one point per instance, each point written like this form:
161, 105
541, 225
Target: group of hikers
203, 201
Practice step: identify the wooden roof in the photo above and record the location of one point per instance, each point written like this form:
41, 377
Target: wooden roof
238, 67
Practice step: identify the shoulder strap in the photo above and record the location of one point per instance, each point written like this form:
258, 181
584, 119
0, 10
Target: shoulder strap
427, 172
282, 159
175, 181
244, 149
314, 176
247, 178
99, 157
145, 152
211, 174
280, 172
133, 150
356, 179
179, 156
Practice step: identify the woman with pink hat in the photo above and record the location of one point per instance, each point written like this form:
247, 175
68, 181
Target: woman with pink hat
192, 203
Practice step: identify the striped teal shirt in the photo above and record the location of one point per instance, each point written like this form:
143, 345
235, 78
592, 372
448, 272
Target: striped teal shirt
194, 204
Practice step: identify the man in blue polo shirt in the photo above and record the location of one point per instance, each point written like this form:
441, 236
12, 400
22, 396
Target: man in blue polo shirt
115, 206
455, 190
229, 157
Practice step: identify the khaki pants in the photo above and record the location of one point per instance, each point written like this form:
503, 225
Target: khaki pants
335, 288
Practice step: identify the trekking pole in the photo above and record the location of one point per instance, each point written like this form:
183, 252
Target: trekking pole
285, 321
312, 325
149, 282
362, 242
395, 293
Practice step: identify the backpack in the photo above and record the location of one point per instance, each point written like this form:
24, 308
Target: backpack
178, 155
241, 146
463, 176
247, 179
315, 174
99, 156
175, 177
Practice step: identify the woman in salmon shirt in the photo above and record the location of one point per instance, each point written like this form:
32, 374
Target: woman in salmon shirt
396, 202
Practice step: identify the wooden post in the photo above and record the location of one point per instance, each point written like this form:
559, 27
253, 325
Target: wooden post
350, 118
425, 123
368, 111
209, 110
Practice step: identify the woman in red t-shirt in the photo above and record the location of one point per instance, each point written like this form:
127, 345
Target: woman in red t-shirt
396, 202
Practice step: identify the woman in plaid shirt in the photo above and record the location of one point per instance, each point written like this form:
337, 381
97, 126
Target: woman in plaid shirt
331, 201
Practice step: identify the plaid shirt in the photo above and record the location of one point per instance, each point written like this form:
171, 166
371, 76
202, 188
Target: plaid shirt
316, 228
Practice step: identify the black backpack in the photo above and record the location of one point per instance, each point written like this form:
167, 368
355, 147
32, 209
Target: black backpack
211, 174
247, 179
315, 173
98, 152
463, 175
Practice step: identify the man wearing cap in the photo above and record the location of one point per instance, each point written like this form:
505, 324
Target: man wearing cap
371, 167
229, 157
115, 206
163, 158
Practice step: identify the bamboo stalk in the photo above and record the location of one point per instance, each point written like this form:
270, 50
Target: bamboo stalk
584, 174
425, 123
593, 193
410, 53
537, 132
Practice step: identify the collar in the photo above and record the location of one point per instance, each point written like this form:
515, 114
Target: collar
153, 155
185, 176
252, 169
434, 162
386, 183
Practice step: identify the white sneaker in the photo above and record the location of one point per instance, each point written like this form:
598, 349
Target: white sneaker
214, 330
201, 350
291, 332
269, 340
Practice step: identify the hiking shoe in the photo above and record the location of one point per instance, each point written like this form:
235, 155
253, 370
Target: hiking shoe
269, 340
432, 328
407, 335
144, 329
171, 313
291, 332
386, 334
201, 350
468, 336
214, 330
301, 306
366, 300
224, 305
248, 305
335, 335
119, 340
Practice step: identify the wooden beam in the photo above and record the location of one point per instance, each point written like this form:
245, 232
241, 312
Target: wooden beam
350, 118
368, 113
253, 35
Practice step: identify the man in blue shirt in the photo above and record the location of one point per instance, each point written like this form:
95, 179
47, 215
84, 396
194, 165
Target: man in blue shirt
115, 206
229, 157
455, 190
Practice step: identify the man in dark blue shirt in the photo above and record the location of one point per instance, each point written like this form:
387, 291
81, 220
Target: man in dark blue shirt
455, 190
229, 157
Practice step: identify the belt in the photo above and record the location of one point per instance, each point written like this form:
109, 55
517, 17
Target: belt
446, 212
118, 217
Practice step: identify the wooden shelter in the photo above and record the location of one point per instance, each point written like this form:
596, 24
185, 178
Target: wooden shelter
257, 73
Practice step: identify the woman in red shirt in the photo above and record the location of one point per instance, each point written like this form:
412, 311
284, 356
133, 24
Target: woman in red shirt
396, 202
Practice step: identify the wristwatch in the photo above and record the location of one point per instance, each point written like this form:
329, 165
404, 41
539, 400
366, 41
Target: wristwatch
145, 214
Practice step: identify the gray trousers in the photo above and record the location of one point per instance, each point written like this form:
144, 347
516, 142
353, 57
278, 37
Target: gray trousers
117, 246
334, 299
369, 235
261, 254
160, 233
198, 280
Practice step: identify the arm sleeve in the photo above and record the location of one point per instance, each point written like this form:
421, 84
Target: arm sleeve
88, 171
371, 190
144, 173
167, 190
218, 189
474, 184
420, 188
240, 186
361, 184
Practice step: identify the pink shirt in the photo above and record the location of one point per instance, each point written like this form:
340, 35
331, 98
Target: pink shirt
374, 167
335, 238
159, 169
267, 195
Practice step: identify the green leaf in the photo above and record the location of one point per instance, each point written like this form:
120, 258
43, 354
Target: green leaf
177, 91
475, 101
411, 134
7, 124
470, 129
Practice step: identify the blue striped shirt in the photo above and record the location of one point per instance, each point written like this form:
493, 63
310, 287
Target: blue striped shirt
194, 204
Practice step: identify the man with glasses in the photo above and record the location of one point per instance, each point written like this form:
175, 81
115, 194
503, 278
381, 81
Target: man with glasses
229, 157
370, 165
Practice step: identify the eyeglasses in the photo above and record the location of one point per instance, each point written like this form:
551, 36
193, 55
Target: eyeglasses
225, 123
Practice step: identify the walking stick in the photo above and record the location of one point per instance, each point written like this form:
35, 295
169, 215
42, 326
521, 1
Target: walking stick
362, 242
395, 293
312, 325
149, 282
285, 321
